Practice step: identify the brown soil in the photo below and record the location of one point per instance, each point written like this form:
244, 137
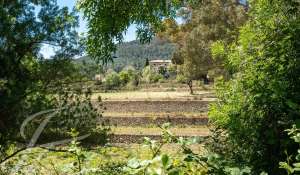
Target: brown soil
146, 121
129, 138
156, 106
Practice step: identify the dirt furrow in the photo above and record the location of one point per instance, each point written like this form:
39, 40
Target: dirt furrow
148, 121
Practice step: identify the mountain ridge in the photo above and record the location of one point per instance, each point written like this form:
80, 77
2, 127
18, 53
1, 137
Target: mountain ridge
134, 54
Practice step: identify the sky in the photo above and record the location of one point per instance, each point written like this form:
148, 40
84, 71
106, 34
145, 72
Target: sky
48, 51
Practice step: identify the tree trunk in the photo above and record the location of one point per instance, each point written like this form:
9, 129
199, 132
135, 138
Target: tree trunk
205, 80
190, 84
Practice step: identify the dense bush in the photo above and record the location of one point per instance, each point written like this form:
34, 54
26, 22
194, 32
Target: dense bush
28, 80
124, 77
130, 77
172, 71
180, 78
163, 71
73, 110
256, 106
112, 81
150, 76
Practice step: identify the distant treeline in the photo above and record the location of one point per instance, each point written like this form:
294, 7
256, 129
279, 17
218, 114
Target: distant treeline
135, 54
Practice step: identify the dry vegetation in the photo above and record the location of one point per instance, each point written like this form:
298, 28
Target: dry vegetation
147, 95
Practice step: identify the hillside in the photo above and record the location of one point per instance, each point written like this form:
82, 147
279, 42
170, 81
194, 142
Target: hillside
135, 54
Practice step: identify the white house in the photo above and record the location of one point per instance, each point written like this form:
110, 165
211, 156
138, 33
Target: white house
157, 64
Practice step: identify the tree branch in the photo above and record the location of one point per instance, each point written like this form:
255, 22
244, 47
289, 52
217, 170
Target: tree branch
12, 155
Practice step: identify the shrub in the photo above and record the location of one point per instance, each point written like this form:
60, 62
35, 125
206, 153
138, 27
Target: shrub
146, 74
163, 71
180, 78
150, 76
256, 106
130, 77
172, 71
156, 78
124, 77
74, 110
112, 81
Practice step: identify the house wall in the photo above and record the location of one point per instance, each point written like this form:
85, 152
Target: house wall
157, 65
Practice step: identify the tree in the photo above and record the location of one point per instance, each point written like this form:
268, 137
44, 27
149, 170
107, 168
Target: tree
25, 75
88, 69
129, 77
151, 76
112, 81
147, 62
206, 22
124, 77
109, 19
213, 20
262, 99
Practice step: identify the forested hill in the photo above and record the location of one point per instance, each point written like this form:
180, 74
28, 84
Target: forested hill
135, 54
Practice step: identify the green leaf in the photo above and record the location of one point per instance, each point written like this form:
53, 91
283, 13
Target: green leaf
297, 122
292, 105
297, 165
165, 160
263, 173
133, 163
174, 172
286, 166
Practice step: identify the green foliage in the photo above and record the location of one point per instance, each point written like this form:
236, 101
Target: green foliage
150, 76
172, 71
163, 71
87, 69
78, 113
124, 77
254, 108
161, 163
129, 77
180, 78
26, 77
134, 77
208, 21
74, 110
156, 78
185, 162
112, 81
105, 28
76, 151
292, 164
113, 168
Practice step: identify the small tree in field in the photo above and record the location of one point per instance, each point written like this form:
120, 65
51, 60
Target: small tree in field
206, 22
